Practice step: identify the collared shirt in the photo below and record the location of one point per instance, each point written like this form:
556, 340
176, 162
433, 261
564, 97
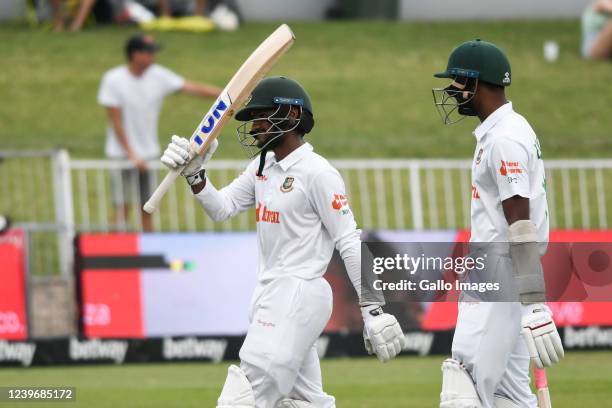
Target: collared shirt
507, 162
301, 210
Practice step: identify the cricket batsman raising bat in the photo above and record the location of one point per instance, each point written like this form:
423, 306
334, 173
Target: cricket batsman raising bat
231, 98
302, 214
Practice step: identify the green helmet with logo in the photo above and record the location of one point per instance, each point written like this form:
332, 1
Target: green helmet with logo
479, 59
272, 92
276, 98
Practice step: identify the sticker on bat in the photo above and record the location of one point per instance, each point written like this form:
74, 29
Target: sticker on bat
219, 108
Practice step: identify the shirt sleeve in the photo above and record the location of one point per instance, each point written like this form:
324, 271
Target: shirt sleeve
235, 198
108, 94
330, 202
170, 81
509, 165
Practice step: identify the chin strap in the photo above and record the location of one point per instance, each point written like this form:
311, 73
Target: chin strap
262, 162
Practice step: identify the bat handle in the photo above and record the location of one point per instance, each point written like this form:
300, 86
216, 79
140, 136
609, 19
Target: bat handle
540, 377
151, 205
542, 386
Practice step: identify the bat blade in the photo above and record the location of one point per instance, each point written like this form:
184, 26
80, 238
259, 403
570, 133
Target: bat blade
256, 66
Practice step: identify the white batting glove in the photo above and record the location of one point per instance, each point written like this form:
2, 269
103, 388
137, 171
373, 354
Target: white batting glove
382, 333
540, 334
178, 152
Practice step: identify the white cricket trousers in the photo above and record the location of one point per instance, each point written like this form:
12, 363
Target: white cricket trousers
278, 356
488, 342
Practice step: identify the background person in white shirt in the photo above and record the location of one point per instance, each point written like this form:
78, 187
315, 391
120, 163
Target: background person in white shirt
133, 95
490, 359
302, 214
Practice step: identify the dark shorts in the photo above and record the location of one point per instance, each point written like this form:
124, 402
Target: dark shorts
130, 186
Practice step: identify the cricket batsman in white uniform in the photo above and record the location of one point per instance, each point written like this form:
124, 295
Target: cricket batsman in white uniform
495, 341
302, 214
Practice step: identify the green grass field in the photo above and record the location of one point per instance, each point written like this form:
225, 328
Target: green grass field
370, 83
583, 379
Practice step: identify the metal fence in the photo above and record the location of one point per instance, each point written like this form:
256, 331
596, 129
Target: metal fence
35, 194
385, 194
52, 196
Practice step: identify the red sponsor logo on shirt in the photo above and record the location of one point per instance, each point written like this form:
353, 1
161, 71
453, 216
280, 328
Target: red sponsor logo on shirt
475, 194
262, 214
339, 201
340, 204
510, 167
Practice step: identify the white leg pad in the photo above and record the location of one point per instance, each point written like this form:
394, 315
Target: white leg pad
458, 390
503, 402
237, 391
290, 403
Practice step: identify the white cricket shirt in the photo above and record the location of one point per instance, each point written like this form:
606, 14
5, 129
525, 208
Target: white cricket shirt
507, 162
140, 99
301, 210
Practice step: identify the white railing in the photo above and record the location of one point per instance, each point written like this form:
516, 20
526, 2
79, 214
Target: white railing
386, 194
35, 193
52, 196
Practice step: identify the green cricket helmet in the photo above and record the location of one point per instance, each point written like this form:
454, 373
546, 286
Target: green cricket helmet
274, 96
478, 59
272, 92
470, 63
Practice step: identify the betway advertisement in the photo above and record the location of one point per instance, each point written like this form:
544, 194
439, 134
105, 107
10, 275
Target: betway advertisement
13, 316
200, 284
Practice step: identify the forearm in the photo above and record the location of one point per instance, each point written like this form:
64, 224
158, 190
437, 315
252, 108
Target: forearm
116, 121
215, 203
523, 237
350, 251
202, 90
123, 141
525, 255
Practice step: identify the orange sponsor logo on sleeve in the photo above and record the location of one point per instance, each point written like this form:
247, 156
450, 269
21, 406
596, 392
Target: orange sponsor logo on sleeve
510, 167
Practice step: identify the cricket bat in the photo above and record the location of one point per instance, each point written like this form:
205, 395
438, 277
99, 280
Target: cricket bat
232, 97
541, 383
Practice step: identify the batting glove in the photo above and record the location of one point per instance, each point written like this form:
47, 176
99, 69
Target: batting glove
540, 334
382, 333
178, 153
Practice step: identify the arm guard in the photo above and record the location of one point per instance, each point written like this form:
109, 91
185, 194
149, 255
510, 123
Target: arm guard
528, 272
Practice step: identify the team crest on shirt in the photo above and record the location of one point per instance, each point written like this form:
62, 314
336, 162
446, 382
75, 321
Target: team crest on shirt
287, 185
479, 157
